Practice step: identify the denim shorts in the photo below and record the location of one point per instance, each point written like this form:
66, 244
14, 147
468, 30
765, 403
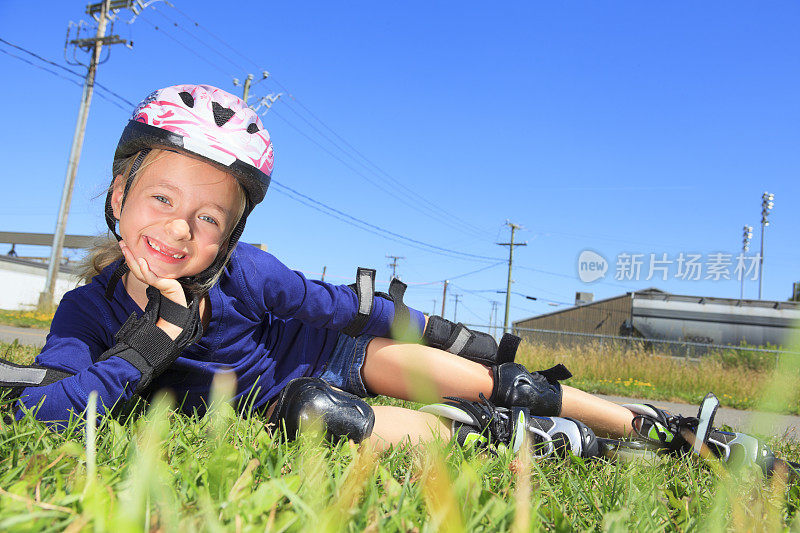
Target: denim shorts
344, 367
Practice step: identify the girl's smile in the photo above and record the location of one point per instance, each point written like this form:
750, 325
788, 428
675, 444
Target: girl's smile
163, 252
178, 214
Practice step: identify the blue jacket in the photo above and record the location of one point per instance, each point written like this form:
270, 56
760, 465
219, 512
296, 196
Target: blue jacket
268, 324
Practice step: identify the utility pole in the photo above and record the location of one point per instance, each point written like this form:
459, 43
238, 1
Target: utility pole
444, 295
456, 297
246, 91
511, 244
95, 45
434, 307
492, 318
323, 272
393, 264
265, 101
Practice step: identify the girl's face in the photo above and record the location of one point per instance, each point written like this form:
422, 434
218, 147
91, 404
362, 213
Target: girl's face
178, 214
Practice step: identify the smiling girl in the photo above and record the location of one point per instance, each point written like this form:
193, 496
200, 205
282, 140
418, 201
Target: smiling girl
176, 300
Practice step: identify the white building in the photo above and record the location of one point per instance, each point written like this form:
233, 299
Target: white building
21, 282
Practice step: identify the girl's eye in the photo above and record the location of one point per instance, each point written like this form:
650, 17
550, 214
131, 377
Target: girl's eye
209, 219
162, 199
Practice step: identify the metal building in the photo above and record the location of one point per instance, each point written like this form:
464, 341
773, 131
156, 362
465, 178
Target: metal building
654, 314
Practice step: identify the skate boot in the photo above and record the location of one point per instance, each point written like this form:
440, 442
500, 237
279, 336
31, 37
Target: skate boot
486, 425
678, 434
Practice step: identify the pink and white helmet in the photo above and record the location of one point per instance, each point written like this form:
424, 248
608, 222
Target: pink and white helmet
207, 122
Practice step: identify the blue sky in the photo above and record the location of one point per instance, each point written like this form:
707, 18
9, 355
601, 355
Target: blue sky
619, 127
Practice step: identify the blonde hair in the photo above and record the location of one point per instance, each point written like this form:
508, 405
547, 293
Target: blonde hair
106, 251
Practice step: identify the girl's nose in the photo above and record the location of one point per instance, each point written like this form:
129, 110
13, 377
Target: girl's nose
179, 229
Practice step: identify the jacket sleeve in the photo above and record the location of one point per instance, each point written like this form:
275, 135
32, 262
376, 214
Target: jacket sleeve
289, 294
76, 340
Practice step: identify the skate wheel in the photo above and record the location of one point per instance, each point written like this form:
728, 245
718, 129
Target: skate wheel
627, 450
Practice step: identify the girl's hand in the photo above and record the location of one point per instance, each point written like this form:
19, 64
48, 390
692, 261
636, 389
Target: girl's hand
170, 288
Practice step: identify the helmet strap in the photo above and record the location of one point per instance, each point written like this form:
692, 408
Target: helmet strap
111, 220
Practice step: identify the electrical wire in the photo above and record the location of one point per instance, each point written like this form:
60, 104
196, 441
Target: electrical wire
62, 67
54, 73
165, 16
338, 214
187, 47
408, 240
221, 41
465, 306
558, 274
460, 275
346, 220
343, 162
436, 211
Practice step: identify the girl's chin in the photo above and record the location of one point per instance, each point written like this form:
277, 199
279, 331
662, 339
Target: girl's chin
164, 272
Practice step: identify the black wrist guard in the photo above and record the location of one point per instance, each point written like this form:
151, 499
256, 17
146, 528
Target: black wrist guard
473, 345
146, 346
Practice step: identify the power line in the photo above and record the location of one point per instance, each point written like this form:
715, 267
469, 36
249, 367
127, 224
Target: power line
54, 73
465, 306
187, 47
435, 211
361, 174
31, 63
193, 36
330, 209
221, 41
407, 240
479, 295
62, 67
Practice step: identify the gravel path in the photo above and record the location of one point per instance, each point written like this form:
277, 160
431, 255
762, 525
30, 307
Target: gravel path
745, 421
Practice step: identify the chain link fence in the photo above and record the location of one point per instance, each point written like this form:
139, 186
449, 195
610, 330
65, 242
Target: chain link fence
675, 348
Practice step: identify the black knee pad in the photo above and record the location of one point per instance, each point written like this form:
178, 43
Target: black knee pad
306, 402
473, 345
539, 391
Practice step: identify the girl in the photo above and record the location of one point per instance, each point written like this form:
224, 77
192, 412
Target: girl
177, 300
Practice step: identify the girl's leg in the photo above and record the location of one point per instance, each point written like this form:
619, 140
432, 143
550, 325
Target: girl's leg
396, 425
606, 419
424, 374
421, 373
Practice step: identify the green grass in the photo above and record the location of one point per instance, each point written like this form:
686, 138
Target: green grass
165, 471
26, 319
739, 379
15, 352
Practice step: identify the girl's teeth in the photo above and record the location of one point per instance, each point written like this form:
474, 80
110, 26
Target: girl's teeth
156, 247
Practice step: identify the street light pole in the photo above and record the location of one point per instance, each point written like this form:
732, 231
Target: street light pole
767, 204
747, 234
